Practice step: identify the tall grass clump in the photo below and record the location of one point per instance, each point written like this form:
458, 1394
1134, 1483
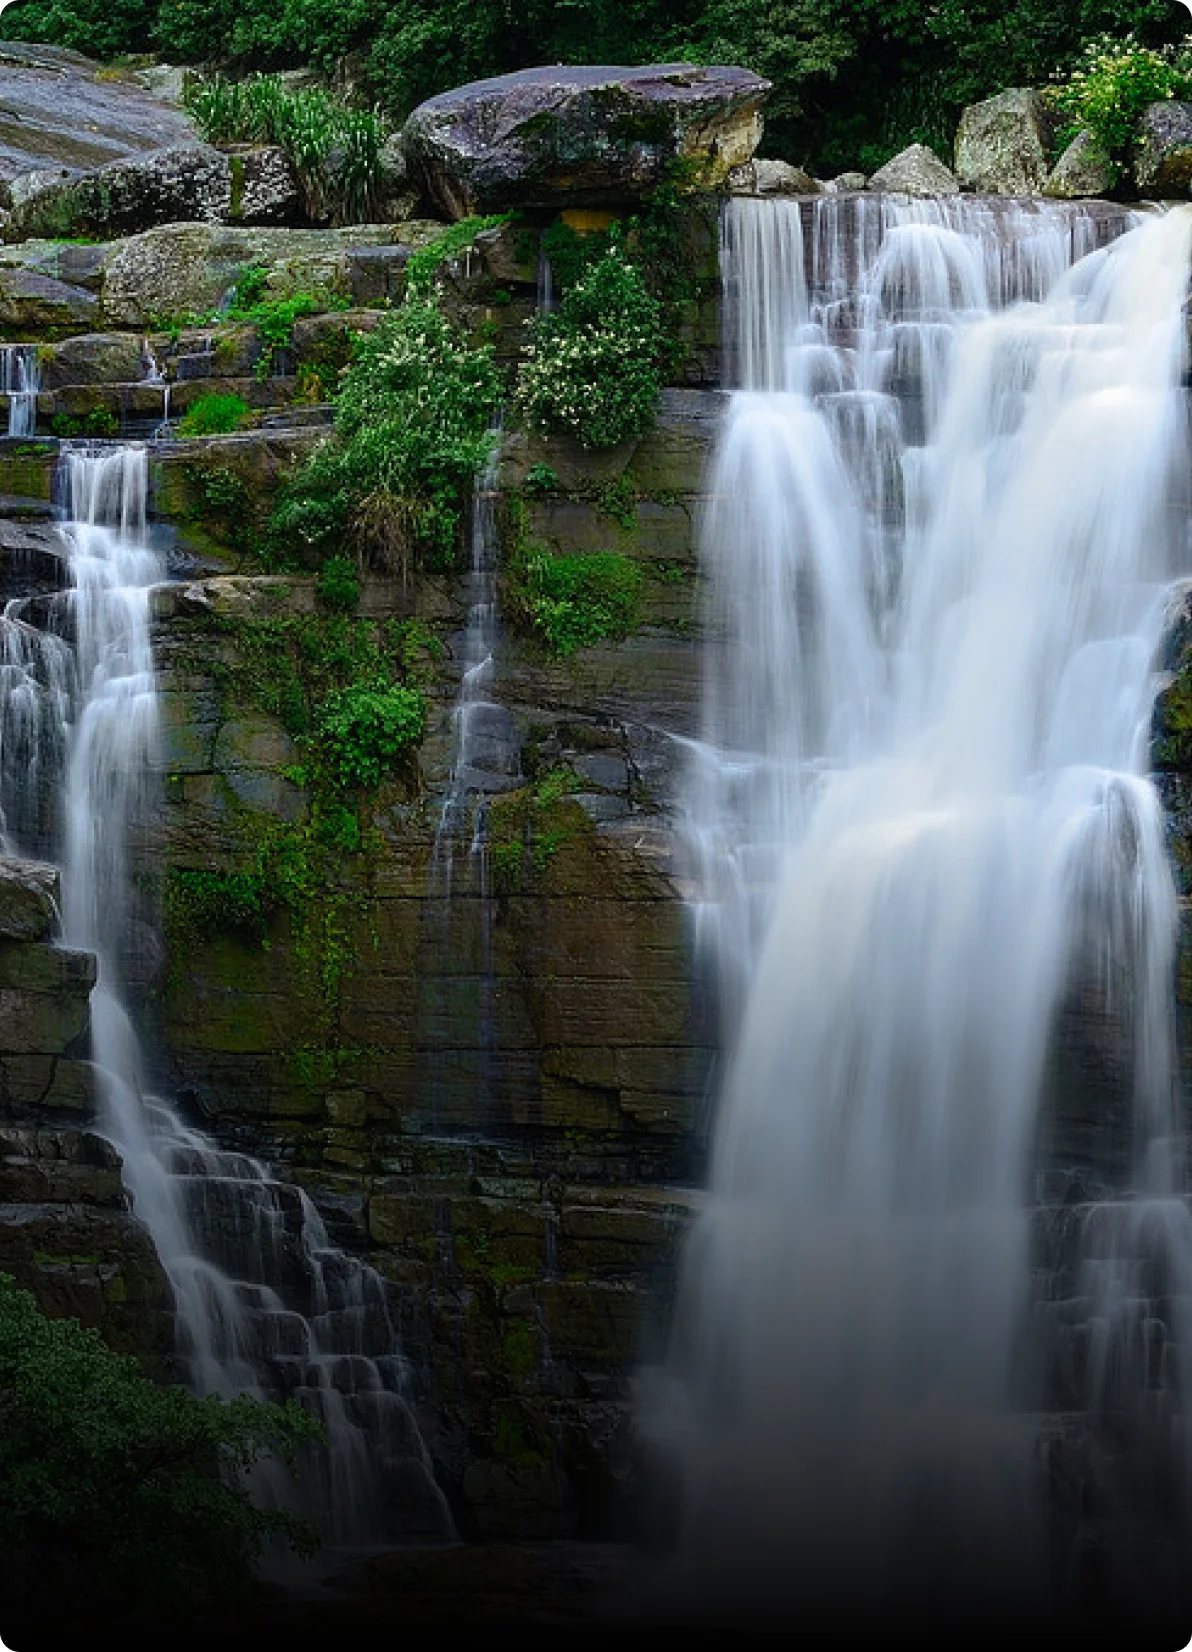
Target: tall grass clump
336, 151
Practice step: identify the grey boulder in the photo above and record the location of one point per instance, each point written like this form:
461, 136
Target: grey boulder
1003, 145
916, 170
595, 135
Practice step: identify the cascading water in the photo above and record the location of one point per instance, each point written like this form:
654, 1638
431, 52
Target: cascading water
20, 381
485, 760
946, 507
265, 1305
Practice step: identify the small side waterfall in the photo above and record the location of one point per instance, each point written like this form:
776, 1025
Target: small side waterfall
947, 503
485, 760
20, 381
265, 1304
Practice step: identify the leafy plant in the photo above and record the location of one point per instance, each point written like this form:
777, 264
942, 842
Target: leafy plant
412, 429
214, 414
541, 478
100, 421
338, 584
1111, 86
591, 369
133, 1488
364, 730
335, 150
572, 602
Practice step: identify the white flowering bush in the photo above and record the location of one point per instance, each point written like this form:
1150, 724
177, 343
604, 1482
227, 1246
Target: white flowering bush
592, 368
1111, 86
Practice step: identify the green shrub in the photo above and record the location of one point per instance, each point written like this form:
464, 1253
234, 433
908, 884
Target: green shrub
338, 584
572, 602
214, 414
1112, 85
412, 429
201, 902
133, 1488
336, 151
101, 421
363, 731
592, 368
456, 238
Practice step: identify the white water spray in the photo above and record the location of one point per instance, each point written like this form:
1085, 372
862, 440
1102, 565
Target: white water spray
946, 507
20, 381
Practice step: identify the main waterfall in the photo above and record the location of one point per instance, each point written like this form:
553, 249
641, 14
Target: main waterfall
947, 507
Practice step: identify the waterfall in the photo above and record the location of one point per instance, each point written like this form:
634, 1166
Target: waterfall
20, 381
485, 760
946, 508
264, 1303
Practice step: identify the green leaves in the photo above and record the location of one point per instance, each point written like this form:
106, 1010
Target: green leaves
592, 368
364, 731
139, 1484
412, 430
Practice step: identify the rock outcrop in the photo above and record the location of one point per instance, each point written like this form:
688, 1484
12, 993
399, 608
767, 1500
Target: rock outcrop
582, 136
1163, 150
1003, 145
761, 177
1083, 172
916, 170
58, 110
197, 183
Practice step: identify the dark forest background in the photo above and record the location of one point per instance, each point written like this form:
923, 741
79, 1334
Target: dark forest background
855, 80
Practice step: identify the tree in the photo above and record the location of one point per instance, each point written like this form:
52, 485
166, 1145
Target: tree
132, 1491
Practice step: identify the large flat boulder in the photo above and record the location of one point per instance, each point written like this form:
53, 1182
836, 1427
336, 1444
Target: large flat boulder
58, 109
594, 135
1163, 150
191, 183
1003, 145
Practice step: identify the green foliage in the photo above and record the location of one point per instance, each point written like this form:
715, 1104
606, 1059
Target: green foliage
338, 584
541, 479
571, 602
214, 414
854, 80
592, 369
455, 239
201, 902
100, 421
1111, 86
336, 151
412, 430
137, 1488
365, 730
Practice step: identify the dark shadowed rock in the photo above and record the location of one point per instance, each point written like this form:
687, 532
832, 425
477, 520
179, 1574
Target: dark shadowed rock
55, 111
28, 899
915, 171
1003, 145
1163, 149
596, 135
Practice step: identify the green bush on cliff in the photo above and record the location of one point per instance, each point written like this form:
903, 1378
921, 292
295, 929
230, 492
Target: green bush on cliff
592, 368
214, 414
365, 730
1112, 85
412, 429
571, 602
113, 1485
